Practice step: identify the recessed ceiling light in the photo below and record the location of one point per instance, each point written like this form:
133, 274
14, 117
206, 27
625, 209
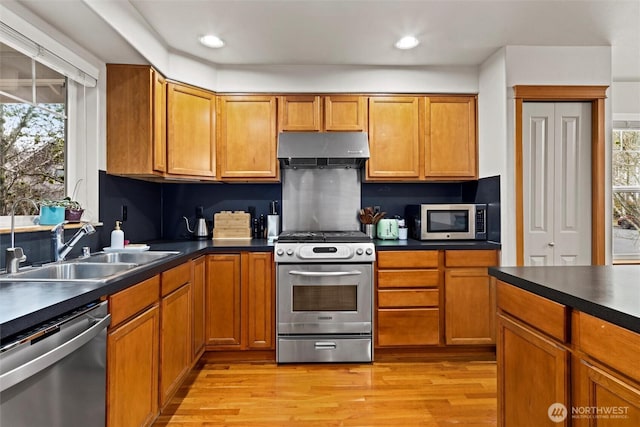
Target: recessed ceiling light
212, 41
407, 42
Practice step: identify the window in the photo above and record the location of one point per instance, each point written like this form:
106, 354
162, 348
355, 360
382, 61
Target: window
62, 90
626, 190
33, 131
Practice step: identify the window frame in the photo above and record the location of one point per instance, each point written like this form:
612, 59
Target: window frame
621, 125
83, 110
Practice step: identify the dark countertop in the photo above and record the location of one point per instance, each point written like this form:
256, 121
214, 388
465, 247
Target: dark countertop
411, 244
611, 293
24, 305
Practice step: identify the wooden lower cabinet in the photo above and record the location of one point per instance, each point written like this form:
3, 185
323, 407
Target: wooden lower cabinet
407, 299
470, 306
548, 353
198, 306
240, 309
402, 327
603, 398
132, 356
533, 374
175, 341
259, 288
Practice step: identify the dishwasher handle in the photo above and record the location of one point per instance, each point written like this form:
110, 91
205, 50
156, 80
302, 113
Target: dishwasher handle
31, 368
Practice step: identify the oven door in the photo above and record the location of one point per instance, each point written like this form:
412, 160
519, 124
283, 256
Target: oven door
324, 299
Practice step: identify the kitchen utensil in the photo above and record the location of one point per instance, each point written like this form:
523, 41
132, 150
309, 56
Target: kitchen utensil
200, 229
387, 229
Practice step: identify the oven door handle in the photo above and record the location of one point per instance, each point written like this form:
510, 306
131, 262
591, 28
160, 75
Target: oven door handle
324, 273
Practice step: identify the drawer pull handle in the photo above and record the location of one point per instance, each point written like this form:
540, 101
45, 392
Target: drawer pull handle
325, 345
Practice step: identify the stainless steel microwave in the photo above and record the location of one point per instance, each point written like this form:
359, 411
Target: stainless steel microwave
461, 221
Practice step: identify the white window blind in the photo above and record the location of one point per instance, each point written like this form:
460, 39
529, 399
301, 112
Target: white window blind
30, 48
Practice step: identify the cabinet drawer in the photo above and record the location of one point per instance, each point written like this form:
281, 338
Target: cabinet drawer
408, 298
541, 313
612, 345
408, 327
130, 301
471, 258
407, 259
176, 277
408, 278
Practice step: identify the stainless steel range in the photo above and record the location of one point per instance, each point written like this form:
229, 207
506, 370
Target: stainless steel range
324, 297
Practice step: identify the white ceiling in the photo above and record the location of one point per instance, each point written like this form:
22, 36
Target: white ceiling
359, 32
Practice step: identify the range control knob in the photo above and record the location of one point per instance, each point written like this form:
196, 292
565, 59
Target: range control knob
279, 252
369, 251
359, 251
290, 252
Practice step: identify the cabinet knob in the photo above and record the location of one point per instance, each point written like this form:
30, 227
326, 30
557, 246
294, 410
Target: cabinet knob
552, 244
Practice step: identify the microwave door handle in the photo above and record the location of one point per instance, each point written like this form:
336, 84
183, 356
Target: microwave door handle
324, 273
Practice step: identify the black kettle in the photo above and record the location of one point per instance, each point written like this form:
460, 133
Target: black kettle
200, 229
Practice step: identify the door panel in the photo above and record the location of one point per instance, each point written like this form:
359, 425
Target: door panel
557, 183
538, 125
572, 178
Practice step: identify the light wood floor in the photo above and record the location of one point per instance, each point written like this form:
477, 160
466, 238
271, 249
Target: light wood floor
399, 394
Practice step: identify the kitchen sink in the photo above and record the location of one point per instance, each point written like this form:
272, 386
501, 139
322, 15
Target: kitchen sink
139, 258
70, 271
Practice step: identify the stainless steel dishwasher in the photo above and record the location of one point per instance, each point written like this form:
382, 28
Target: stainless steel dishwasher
55, 374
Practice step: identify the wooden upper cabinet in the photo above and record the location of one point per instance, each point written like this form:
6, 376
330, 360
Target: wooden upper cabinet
300, 113
136, 111
394, 138
191, 149
450, 138
345, 113
247, 138
313, 113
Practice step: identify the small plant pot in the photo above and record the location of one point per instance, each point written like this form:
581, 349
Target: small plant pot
51, 215
73, 215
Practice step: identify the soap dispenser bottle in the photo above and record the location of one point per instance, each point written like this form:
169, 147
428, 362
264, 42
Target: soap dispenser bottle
117, 237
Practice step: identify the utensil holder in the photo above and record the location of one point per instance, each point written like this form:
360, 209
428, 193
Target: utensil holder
370, 230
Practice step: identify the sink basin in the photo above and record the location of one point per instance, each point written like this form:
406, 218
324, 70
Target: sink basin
127, 257
70, 271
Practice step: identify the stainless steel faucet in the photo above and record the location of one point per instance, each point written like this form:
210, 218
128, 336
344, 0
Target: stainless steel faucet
14, 256
60, 249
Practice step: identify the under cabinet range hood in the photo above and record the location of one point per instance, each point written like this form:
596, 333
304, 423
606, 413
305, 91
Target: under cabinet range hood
310, 150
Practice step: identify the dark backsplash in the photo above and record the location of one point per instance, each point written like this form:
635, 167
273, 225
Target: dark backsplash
155, 211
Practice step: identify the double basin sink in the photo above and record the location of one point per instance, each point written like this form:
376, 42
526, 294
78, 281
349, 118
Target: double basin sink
98, 267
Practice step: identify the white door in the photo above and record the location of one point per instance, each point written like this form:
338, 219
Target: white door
556, 140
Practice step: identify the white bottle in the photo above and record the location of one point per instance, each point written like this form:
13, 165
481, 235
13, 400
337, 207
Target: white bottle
117, 237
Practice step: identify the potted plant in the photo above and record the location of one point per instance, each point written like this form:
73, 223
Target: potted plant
72, 210
51, 212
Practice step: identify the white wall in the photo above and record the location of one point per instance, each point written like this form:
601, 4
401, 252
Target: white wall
538, 65
625, 100
334, 78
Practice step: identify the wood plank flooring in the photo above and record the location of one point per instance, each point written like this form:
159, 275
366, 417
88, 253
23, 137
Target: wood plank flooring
402, 394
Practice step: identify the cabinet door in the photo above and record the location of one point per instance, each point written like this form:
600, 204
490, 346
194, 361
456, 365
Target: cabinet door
199, 305
259, 295
159, 122
132, 371
345, 113
190, 131
450, 138
223, 310
533, 374
175, 341
394, 138
135, 113
470, 306
300, 113
617, 399
247, 138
